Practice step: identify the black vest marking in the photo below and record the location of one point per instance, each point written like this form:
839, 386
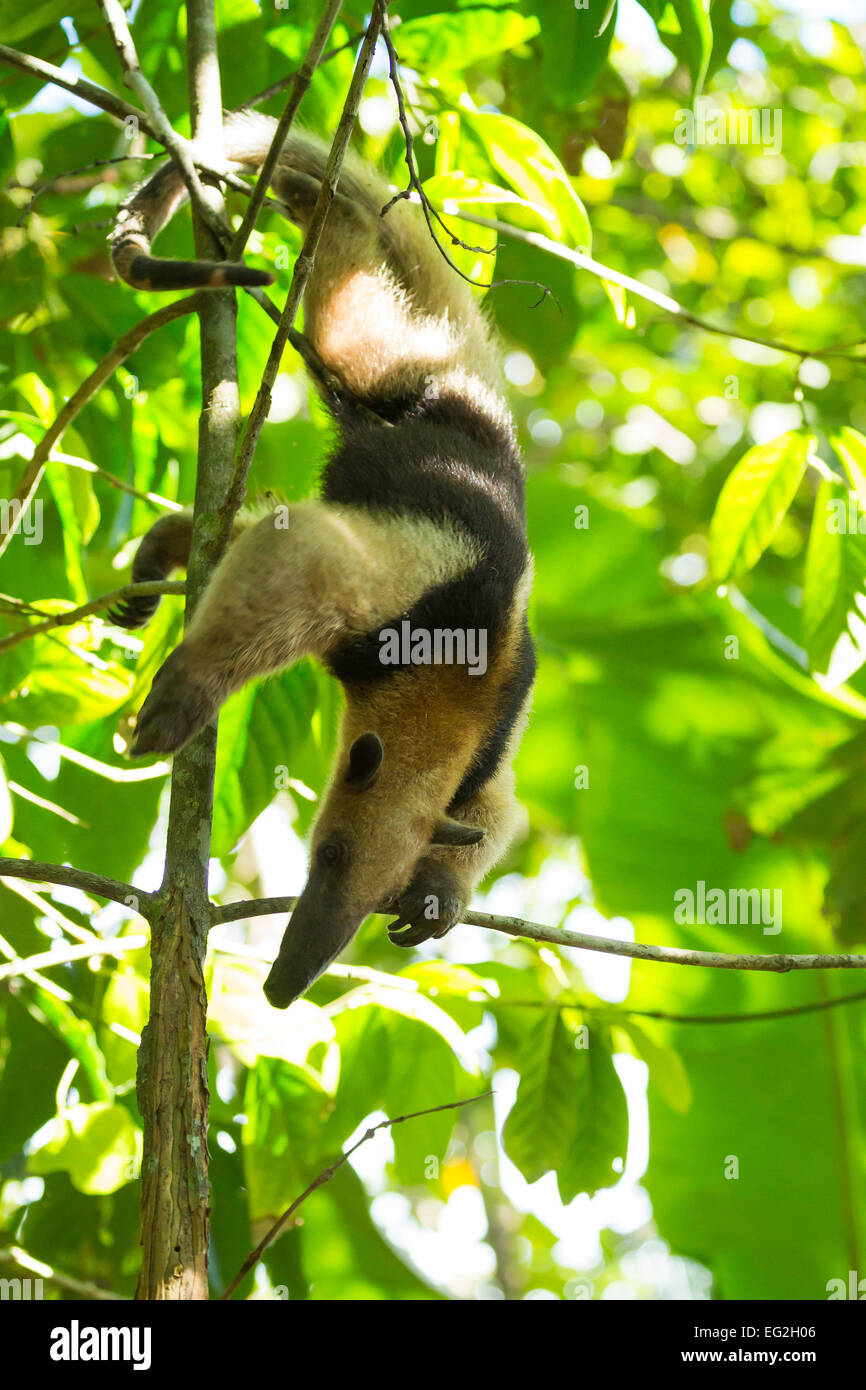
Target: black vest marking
448, 461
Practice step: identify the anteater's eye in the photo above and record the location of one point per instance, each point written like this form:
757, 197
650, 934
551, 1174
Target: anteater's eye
331, 853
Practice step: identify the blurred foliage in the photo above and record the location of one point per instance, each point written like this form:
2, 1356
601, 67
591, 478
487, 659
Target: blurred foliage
695, 507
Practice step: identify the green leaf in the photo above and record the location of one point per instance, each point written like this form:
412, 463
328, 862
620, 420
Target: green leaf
98, 1145
17, 21
744, 1162
46, 682
364, 1038
600, 1134
285, 1111
422, 1075
5, 807
684, 26
835, 574
270, 733
444, 43
753, 501
697, 39
59, 482
32, 1060
542, 1122
665, 1063
531, 167
575, 43
850, 445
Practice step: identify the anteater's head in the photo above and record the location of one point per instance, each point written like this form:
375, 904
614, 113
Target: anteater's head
380, 814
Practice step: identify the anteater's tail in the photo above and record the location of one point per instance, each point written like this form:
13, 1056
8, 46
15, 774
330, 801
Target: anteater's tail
165, 548
383, 310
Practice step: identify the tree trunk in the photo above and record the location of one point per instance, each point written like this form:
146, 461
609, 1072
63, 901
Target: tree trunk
172, 1078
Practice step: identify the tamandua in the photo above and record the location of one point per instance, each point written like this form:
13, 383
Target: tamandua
413, 559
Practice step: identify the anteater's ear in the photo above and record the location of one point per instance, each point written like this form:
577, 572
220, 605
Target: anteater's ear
454, 832
365, 760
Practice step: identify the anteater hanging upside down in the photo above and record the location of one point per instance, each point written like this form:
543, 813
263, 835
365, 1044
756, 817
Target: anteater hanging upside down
420, 521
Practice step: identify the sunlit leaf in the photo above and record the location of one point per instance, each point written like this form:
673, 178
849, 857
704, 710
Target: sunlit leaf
835, 576
533, 170
98, 1145
753, 501
666, 1066
449, 43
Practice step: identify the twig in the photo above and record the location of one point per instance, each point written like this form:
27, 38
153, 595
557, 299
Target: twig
14, 1255
74, 615
71, 175
284, 82
301, 82
23, 965
764, 1016
328, 1173
304, 262
67, 877
135, 79
122, 349
416, 186
662, 301
582, 941
78, 86
153, 499
121, 111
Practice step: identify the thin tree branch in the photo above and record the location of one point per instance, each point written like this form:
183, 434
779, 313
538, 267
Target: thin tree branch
123, 348
67, 877
23, 965
68, 182
763, 1016
304, 262
582, 941
153, 499
121, 111
416, 186
74, 615
284, 82
328, 1173
14, 1255
366, 975
301, 82
135, 79
78, 86
662, 301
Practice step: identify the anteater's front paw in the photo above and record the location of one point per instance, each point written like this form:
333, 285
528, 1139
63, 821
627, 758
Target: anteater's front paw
432, 904
174, 711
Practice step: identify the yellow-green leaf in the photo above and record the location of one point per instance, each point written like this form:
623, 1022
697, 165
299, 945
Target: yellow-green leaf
754, 500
